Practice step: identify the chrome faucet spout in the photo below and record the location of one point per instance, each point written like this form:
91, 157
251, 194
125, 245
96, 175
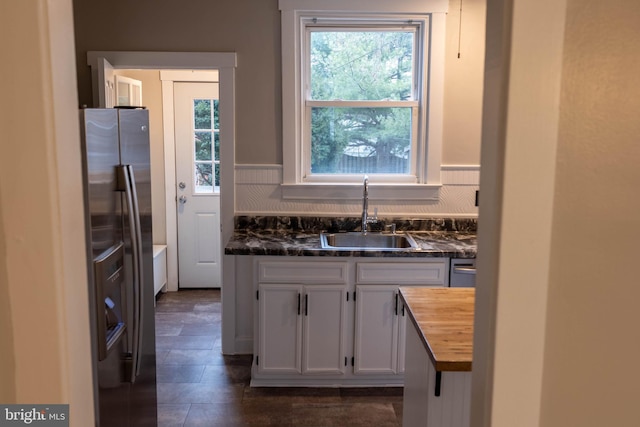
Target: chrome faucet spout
366, 219
365, 204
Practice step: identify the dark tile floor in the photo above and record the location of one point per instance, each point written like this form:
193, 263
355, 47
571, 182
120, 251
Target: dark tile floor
198, 386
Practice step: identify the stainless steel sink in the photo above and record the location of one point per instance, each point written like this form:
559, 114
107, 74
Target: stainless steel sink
369, 241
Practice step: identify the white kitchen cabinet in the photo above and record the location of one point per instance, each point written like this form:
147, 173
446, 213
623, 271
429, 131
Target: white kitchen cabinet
280, 334
379, 334
324, 329
159, 268
333, 322
301, 326
380, 321
376, 329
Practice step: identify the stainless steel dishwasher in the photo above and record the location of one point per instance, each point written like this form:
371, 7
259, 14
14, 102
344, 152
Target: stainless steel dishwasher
462, 273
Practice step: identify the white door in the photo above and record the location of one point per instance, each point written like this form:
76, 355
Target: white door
106, 84
324, 328
279, 320
376, 333
198, 184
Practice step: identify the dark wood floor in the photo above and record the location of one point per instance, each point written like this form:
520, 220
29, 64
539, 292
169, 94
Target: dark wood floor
198, 386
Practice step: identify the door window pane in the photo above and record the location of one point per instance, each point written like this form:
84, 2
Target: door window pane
202, 113
206, 146
204, 178
216, 118
203, 146
216, 146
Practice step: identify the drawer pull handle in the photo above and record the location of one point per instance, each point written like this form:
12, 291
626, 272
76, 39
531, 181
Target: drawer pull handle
464, 269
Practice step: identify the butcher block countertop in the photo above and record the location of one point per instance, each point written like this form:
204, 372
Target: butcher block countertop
444, 320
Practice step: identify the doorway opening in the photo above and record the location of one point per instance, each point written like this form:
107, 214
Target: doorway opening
197, 142
189, 67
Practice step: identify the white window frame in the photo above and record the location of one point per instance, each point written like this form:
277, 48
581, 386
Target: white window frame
430, 14
344, 21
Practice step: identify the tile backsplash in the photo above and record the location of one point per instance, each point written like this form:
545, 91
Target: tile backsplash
258, 192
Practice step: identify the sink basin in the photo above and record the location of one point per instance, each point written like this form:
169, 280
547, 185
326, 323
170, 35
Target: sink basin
371, 241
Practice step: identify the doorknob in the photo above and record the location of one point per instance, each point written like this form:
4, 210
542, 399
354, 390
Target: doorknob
182, 185
183, 199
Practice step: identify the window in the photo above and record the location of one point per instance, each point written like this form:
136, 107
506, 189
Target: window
128, 91
361, 99
362, 94
206, 148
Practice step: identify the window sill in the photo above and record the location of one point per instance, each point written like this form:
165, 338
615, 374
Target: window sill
318, 191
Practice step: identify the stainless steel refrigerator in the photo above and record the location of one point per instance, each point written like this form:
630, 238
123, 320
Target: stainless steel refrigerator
115, 144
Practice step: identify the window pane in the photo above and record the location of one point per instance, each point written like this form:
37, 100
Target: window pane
203, 178
216, 146
216, 173
360, 140
202, 113
216, 120
361, 65
202, 145
123, 94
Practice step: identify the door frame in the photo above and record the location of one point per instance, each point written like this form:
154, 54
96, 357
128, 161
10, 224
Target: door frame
181, 63
169, 78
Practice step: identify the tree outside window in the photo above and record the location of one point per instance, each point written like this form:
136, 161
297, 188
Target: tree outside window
361, 100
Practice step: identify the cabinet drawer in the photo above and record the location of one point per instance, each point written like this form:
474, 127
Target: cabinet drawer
303, 272
422, 273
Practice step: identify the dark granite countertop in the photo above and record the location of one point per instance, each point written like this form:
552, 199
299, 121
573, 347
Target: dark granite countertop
435, 238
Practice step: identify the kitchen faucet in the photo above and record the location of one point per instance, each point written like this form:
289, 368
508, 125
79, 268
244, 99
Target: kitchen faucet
366, 219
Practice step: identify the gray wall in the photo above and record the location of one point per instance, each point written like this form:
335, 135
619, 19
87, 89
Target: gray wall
252, 29
249, 27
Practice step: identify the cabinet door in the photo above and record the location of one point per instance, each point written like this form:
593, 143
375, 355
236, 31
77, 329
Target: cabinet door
280, 328
324, 318
376, 333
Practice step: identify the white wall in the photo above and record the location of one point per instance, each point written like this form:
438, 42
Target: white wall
43, 280
522, 88
556, 339
592, 345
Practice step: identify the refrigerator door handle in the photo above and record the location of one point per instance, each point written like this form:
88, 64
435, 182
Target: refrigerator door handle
139, 262
126, 175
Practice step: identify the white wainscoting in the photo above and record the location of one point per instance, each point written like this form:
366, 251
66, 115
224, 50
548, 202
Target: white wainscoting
258, 193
